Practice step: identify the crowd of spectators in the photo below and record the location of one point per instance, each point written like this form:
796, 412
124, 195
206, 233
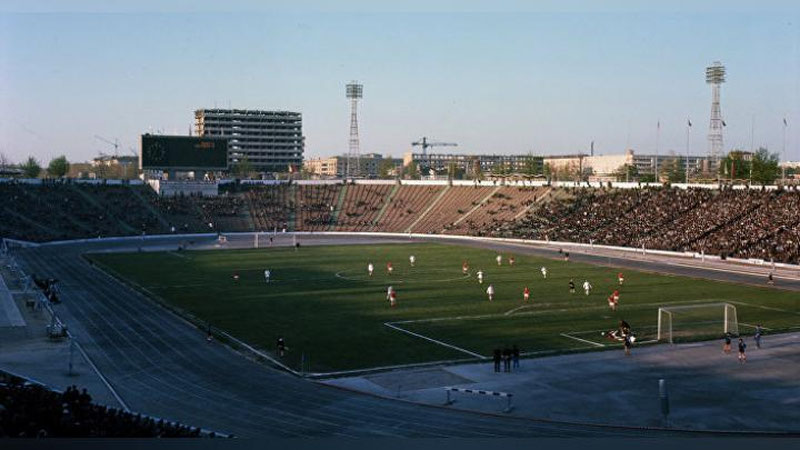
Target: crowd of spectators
769, 232
743, 223
271, 206
316, 205
490, 216
30, 410
57, 210
361, 205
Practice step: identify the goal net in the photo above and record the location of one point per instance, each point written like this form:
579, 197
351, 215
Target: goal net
696, 322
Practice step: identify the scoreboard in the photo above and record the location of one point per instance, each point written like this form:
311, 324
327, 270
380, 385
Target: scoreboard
183, 153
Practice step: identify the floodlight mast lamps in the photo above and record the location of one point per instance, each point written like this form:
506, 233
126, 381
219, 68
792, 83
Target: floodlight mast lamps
355, 92
715, 76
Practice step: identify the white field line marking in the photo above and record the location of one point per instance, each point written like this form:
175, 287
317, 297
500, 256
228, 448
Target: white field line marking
399, 277
384, 368
753, 326
549, 311
582, 340
100, 374
637, 341
652, 341
178, 255
765, 307
390, 325
548, 352
716, 269
512, 311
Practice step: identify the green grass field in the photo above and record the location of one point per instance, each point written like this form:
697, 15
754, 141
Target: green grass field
321, 300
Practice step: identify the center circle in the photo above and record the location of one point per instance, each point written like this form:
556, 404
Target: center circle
410, 276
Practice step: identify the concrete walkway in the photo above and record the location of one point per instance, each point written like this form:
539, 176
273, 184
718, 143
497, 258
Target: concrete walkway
9, 313
26, 351
708, 390
48, 363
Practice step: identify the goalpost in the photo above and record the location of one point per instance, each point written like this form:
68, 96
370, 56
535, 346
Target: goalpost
709, 320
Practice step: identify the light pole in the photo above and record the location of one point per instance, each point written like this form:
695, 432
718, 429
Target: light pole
715, 76
354, 92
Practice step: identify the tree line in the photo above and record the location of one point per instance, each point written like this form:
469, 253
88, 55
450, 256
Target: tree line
32, 168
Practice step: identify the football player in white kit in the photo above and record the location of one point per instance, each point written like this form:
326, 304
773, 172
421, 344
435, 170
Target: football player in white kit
544, 272
587, 287
480, 277
490, 292
370, 268
267, 274
412, 259
499, 260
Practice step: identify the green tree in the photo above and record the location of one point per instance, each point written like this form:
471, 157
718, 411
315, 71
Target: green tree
477, 169
58, 167
385, 168
4, 161
765, 167
675, 171
243, 168
566, 172
734, 166
499, 168
533, 165
412, 171
626, 172
454, 172
31, 167
547, 171
647, 178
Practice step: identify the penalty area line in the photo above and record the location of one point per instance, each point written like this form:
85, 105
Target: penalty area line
763, 307
582, 340
445, 344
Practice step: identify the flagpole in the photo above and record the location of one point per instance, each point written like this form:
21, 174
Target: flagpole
658, 138
688, 130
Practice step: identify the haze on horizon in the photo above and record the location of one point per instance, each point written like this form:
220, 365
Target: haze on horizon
546, 82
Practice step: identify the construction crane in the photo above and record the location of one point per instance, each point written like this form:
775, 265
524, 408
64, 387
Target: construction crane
115, 143
425, 144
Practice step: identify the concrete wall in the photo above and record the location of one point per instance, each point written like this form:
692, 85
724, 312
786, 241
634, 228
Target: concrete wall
173, 188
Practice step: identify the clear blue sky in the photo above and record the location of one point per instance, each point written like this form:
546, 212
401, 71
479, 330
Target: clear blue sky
494, 77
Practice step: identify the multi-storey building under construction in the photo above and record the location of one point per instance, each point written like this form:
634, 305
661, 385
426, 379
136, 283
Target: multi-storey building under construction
270, 141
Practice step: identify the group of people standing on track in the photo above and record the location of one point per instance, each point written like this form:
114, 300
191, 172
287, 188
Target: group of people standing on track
507, 356
742, 345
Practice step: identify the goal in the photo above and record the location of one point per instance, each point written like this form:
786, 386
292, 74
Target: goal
696, 322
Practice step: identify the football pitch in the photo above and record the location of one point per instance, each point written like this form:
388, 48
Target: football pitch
334, 316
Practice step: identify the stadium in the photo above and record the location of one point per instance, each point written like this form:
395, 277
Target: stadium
540, 223
162, 305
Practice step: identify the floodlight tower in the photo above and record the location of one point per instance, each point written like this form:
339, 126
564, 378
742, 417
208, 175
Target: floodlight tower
715, 76
354, 93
